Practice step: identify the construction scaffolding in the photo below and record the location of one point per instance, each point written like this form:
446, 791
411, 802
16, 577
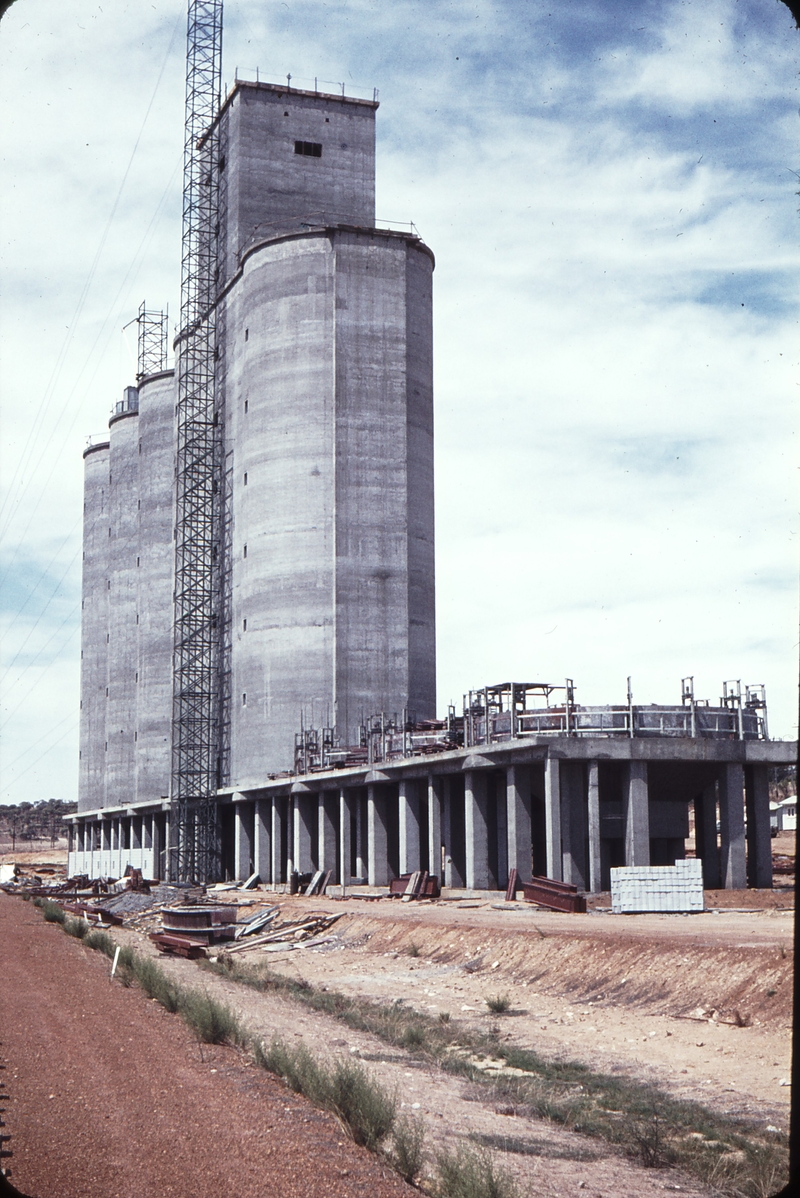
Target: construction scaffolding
194, 847
153, 330
507, 711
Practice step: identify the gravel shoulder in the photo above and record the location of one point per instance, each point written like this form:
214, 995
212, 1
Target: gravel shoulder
110, 1095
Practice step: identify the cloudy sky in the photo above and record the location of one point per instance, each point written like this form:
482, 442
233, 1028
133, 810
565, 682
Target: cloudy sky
609, 187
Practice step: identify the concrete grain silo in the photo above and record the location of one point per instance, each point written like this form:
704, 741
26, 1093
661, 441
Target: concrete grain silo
122, 587
327, 361
94, 628
154, 505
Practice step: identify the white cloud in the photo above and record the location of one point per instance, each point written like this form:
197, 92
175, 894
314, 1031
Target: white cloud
615, 431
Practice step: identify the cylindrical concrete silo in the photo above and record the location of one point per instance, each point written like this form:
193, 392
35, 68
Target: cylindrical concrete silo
94, 629
329, 419
154, 576
123, 562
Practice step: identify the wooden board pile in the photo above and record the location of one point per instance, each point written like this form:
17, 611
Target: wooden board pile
297, 933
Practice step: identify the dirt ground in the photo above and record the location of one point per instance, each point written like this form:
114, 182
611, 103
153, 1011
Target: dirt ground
700, 1005
34, 856
110, 1095
660, 996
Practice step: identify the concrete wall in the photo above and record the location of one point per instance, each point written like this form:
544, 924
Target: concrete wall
123, 569
269, 188
156, 554
94, 629
329, 420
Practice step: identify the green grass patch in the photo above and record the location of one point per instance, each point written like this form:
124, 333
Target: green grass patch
211, 1021
471, 1173
100, 941
344, 1087
408, 1143
52, 912
498, 1004
76, 927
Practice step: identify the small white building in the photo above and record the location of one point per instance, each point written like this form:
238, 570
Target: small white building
788, 814
783, 815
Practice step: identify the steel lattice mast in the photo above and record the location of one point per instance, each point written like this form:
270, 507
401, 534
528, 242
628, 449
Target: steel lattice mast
195, 705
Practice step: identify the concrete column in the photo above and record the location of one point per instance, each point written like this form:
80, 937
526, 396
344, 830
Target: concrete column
243, 844
637, 815
435, 827
759, 839
377, 858
447, 837
573, 823
326, 827
593, 819
304, 811
552, 817
705, 835
477, 830
408, 802
501, 809
166, 855
262, 839
159, 867
361, 838
279, 809
731, 826
345, 835
518, 817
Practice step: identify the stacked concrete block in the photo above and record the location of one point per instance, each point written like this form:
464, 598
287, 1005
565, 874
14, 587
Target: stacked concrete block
640, 888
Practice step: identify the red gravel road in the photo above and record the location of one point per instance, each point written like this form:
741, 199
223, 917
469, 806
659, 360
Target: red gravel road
110, 1095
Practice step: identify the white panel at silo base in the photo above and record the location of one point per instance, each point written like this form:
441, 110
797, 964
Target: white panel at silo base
641, 888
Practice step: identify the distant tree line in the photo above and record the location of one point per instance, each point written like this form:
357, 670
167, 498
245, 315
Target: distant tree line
22, 823
782, 782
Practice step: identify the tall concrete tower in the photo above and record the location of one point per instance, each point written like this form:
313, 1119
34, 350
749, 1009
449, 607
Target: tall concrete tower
327, 378
325, 394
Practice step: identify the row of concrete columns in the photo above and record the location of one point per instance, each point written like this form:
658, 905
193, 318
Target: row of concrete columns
470, 828
321, 825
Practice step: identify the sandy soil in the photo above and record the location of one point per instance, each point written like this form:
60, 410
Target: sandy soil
658, 998
110, 1095
34, 856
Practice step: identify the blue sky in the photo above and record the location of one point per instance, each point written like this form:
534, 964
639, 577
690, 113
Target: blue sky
609, 189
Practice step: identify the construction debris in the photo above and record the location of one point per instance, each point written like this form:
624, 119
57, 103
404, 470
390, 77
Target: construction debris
558, 896
256, 921
319, 882
198, 923
181, 946
294, 933
418, 885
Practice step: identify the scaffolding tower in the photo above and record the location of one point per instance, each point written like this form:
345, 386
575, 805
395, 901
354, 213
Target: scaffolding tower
152, 328
194, 836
